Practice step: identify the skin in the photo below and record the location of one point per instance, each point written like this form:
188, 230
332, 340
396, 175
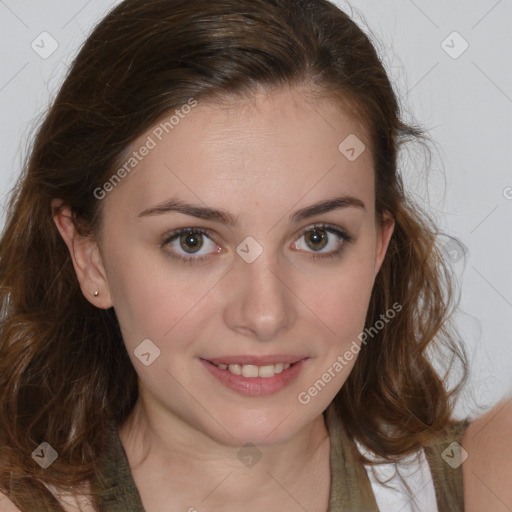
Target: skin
488, 468
261, 161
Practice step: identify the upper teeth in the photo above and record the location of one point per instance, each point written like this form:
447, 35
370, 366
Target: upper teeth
250, 370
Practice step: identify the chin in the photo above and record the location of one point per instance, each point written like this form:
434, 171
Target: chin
257, 428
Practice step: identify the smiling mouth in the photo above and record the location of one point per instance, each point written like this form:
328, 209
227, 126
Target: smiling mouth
242, 375
253, 371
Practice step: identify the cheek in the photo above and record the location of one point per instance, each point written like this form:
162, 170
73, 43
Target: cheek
139, 296
342, 302
154, 300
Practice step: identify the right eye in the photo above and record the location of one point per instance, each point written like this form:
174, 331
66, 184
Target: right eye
190, 241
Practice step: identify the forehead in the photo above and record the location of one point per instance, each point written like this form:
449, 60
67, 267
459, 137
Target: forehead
275, 148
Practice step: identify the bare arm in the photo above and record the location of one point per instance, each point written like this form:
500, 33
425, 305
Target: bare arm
6, 505
487, 472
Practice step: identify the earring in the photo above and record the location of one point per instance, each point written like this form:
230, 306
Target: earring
96, 294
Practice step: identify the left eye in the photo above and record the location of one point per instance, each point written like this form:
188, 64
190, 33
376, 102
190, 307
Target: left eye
317, 238
192, 240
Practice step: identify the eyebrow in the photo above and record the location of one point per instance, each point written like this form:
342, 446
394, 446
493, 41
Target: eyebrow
221, 216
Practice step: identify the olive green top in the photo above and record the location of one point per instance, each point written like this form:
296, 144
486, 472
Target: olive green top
351, 489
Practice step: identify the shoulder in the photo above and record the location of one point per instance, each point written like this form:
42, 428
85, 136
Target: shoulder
487, 471
6, 505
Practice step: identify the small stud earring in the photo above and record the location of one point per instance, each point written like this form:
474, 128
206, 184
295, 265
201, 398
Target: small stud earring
96, 294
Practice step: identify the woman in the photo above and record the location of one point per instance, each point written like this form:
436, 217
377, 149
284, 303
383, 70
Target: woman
216, 294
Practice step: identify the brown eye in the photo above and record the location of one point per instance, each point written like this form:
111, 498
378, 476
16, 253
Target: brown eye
190, 245
191, 242
316, 239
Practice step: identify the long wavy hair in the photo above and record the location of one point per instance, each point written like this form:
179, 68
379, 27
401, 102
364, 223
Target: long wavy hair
65, 374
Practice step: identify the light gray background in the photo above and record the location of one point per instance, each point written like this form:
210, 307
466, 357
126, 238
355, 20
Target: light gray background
464, 99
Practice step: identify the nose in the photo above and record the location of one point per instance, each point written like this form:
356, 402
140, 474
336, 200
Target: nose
260, 303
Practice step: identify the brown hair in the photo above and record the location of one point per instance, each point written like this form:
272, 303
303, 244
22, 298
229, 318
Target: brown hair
65, 374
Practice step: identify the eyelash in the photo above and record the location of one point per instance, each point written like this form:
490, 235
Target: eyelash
173, 235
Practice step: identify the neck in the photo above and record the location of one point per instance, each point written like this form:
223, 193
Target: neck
164, 452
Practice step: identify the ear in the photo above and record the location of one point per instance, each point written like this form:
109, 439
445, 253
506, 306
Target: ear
86, 257
384, 231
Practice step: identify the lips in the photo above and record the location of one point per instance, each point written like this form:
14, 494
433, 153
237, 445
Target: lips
246, 379
253, 371
256, 366
256, 360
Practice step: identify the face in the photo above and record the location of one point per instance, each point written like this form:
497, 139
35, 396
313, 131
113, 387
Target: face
216, 299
